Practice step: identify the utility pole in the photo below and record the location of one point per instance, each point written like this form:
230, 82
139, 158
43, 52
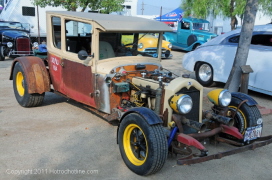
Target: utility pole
142, 8
38, 19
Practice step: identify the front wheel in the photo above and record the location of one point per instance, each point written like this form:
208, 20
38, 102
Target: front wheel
143, 147
246, 116
2, 54
204, 74
195, 46
20, 88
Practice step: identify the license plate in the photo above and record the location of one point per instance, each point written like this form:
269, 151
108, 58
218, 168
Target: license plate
253, 133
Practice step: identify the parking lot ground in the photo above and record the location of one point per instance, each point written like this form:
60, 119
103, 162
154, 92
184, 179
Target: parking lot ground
63, 140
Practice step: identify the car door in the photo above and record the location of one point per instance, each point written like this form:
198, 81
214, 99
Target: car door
55, 54
183, 32
259, 58
78, 78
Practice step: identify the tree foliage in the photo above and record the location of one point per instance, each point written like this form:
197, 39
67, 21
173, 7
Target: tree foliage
104, 6
225, 8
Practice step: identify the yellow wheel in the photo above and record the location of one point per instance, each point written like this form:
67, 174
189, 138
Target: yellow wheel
20, 88
20, 83
143, 147
135, 144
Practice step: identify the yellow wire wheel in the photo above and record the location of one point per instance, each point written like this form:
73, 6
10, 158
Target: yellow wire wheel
142, 142
20, 83
20, 88
247, 116
239, 119
135, 144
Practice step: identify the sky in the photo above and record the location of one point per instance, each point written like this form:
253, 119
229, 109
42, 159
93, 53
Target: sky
153, 7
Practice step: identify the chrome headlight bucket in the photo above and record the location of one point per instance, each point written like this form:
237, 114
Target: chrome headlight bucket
140, 46
9, 44
35, 44
181, 103
220, 97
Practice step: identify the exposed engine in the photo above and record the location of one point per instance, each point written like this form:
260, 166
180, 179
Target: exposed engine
141, 91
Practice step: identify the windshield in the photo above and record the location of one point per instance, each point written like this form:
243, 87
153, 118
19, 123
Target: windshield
14, 25
128, 44
201, 26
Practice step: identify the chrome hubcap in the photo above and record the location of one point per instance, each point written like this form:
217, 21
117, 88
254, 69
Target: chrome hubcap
205, 72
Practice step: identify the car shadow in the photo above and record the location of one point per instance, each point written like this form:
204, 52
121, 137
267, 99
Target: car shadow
179, 50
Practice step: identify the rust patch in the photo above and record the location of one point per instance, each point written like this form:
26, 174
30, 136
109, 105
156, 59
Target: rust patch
35, 73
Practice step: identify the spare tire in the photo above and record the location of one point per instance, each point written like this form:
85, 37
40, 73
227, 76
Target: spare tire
191, 39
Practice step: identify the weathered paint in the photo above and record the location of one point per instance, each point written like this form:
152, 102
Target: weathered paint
35, 73
78, 82
55, 72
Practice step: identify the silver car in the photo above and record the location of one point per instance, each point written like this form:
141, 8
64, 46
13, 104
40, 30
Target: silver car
212, 61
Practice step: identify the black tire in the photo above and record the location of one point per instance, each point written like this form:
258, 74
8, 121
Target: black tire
20, 88
204, 74
191, 39
149, 150
2, 54
246, 116
195, 46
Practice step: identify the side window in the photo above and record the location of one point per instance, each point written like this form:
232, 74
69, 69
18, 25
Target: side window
185, 25
234, 39
56, 32
78, 36
262, 39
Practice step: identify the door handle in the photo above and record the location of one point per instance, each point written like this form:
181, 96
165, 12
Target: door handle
61, 62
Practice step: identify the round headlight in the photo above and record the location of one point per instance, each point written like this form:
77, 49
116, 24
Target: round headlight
181, 103
224, 98
170, 45
9, 44
140, 46
35, 44
220, 97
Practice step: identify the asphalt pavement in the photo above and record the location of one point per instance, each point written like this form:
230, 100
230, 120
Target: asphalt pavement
62, 140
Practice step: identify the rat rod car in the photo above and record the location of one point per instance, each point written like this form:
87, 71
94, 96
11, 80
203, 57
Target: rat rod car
156, 111
15, 39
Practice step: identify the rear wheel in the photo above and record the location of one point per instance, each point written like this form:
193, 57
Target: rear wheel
204, 74
143, 147
20, 88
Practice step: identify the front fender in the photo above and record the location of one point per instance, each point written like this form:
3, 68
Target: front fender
35, 73
170, 37
250, 101
150, 116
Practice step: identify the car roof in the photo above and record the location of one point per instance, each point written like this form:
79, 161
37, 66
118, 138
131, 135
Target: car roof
195, 20
220, 38
112, 23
